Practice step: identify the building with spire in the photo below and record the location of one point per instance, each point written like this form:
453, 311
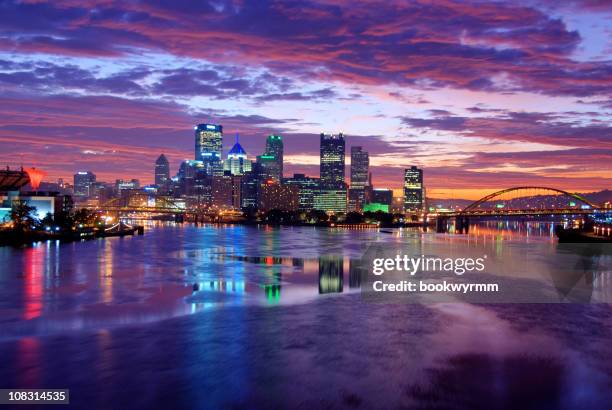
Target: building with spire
237, 162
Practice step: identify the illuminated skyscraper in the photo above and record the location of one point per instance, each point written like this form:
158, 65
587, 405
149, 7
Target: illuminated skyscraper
83, 183
209, 147
273, 157
413, 189
162, 171
332, 161
237, 162
360, 163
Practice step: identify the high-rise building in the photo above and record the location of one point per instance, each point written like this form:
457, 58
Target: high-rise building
330, 200
413, 190
360, 163
276, 196
125, 185
83, 183
272, 158
332, 161
267, 168
209, 147
237, 162
162, 171
332, 194
308, 188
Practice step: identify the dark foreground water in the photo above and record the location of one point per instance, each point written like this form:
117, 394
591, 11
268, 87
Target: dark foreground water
241, 317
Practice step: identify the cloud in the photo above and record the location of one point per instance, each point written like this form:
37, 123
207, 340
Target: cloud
466, 45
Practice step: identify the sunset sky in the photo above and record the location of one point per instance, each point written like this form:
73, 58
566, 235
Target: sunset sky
482, 95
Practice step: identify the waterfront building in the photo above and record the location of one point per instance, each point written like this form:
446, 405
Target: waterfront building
237, 162
162, 171
332, 161
413, 190
382, 196
250, 188
330, 200
308, 188
276, 196
209, 147
83, 184
376, 207
222, 191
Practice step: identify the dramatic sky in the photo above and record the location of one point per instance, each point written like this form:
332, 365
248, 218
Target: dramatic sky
482, 95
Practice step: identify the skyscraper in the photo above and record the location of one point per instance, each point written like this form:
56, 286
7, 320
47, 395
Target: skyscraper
332, 193
413, 189
237, 162
332, 161
274, 151
209, 147
83, 183
360, 163
162, 171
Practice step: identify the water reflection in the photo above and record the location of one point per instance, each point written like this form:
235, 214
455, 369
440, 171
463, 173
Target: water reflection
331, 274
232, 317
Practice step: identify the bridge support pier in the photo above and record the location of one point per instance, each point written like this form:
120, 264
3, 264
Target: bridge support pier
441, 224
462, 224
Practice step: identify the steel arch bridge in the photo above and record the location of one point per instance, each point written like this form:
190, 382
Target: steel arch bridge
140, 203
476, 209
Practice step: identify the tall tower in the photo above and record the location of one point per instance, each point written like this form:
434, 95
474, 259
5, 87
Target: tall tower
162, 171
274, 148
237, 162
413, 189
209, 147
332, 161
360, 163
360, 166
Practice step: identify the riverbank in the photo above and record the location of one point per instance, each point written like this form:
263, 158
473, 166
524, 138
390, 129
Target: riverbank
15, 238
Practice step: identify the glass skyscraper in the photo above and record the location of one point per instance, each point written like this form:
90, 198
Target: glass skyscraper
273, 157
237, 162
84, 183
332, 161
209, 147
413, 189
162, 171
360, 163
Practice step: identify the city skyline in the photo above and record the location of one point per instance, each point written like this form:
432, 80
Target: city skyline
505, 95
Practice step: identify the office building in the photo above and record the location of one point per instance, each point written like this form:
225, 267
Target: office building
274, 149
382, 196
308, 188
83, 184
330, 200
162, 171
237, 162
332, 161
123, 185
360, 163
273, 195
413, 190
209, 147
